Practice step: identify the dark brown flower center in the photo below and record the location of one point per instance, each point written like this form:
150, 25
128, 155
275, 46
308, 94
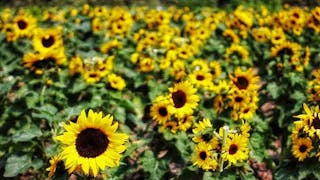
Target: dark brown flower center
22, 24
47, 42
316, 123
200, 77
163, 111
91, 143
233, 149
179, 98
242, 82
203, 155
303, 148
238, 99
206, 137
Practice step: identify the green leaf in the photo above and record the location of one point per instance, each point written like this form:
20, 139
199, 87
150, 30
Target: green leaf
26, 134
274, 90
257, 144
16, 165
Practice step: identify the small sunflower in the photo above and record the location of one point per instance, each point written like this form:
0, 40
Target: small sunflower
201, 79
301, 148
24, 25
56, 165
183, 99
160, 111
245, 80
92, 143
236, 149
236, 51
204, 157
116, 82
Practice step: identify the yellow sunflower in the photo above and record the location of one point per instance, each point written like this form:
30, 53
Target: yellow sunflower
311, 119
204, 157
301, 148
183, 99
229, 33
24, 25
201, 79
215, 69
75, 65
245, 80
92, 143
116, 82
160, 111
45, 40
56, 164
236, 149
236, 51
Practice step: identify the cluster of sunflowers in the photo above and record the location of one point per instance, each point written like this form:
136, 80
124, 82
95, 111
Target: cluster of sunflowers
305, 134
211, 63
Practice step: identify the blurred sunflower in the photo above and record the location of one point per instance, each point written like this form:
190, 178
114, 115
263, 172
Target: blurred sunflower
56, 166
236, 52
92, 143
116, 82
201, 79
183, 99
245, 80
311, 120
24, 25
45, 40
301, 148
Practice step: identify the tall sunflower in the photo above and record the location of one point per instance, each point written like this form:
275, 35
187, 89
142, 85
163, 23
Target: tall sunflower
92, 143
236, 149
301, 148
183, 99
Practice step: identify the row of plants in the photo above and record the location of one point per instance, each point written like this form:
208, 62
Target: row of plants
143, 93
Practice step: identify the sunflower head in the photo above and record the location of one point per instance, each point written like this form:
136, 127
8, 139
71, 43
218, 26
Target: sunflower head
92, 143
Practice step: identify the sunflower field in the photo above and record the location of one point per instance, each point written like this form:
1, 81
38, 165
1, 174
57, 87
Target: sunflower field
164, 92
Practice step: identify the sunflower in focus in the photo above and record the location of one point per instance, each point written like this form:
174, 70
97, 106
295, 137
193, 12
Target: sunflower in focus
235, 149
92, 143
183, 99
204, 157
160, 110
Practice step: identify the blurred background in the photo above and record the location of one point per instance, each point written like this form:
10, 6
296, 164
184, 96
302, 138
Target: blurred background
226, 4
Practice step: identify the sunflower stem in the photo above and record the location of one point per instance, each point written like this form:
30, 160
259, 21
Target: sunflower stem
42, 94
225, 130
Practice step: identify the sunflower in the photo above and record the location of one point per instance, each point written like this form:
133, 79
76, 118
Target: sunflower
75, 65
201, 79
229, 33
245, 80
147, 65
202, 125
293, 50
236, 51
92, 143
185, 123
218, 104
311, 119
56, 165
116, 82
24, 25
261, 34
236, 149
301, 148
278, 36
178, 70
171, 125
238, 99
45, 40
160, 111
183, 99
215, 69
204, 157
36, 61
199, 65
91, 76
